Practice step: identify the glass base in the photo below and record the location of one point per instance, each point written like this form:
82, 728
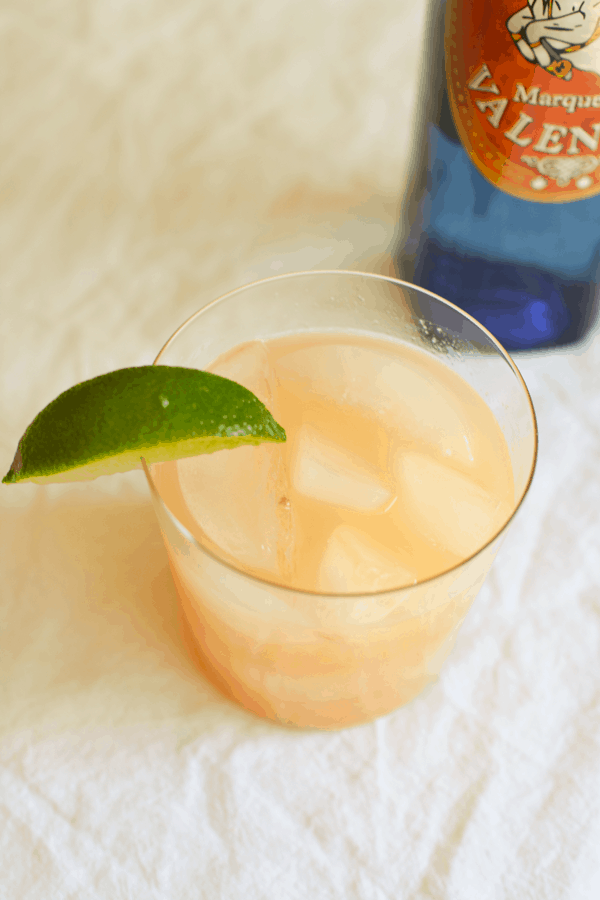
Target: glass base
523, 308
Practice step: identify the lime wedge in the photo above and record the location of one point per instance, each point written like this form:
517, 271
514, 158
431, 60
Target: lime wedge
105, 425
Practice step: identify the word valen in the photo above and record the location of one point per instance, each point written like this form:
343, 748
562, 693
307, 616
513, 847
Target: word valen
525, 96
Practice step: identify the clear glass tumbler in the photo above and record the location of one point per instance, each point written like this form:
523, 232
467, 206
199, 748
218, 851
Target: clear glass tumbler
315, 660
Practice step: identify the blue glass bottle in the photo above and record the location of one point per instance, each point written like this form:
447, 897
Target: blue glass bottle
527, 271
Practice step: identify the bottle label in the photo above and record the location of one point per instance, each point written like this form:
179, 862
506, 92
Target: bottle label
524, 87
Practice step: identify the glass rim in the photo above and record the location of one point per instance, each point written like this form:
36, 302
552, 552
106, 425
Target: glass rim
238, 570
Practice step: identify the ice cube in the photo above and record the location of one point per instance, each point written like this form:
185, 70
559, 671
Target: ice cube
249, 365
326, 368
353, 562
413, 399
446, 506
327, 472
240, 498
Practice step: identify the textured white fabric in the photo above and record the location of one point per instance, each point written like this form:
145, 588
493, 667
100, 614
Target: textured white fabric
154, 155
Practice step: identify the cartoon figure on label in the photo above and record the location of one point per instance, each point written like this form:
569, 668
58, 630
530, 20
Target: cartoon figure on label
559, 35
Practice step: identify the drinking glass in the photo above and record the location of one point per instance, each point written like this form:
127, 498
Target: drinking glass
315, 660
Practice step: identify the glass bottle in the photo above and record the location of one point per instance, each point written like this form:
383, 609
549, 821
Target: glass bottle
494, 220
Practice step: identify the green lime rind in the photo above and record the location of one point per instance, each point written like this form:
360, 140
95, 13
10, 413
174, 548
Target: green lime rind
105, 425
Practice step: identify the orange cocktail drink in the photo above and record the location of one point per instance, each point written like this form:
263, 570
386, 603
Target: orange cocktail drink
324, 579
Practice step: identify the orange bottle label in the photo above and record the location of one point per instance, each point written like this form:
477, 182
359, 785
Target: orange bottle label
524, 86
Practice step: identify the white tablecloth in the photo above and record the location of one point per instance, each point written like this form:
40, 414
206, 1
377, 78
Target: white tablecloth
153, 156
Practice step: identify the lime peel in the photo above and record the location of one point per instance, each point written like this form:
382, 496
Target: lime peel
107, 424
